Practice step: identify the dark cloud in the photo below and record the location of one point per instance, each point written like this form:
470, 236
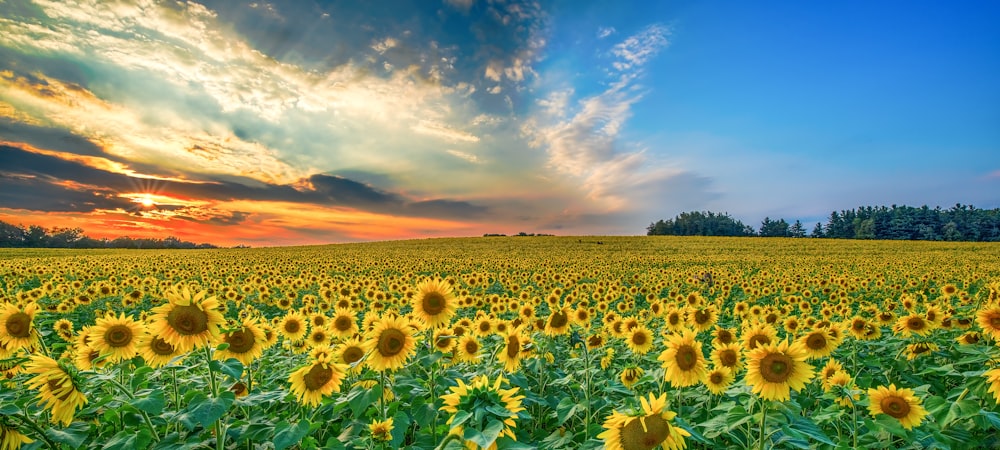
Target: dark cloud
39, 182
48, 138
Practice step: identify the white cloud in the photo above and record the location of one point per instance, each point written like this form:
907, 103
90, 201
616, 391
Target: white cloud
443, 131
604, 32
468, 157
638, 49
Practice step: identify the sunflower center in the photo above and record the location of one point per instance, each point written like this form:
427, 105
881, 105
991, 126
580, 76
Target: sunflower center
686, 357
343, 323
292, 326
915, 323
894, 406
240, 341
513, 346
776, 367
352, 354
724, 336
816, 341
639, 339
118, 336
390, 342
433, 303
995, 321
318, 337
759, 339
701, 317
674, 319
443, 342
559, 319
57, 387
471, 347
19, 325
161, 347
715, 378
728, 358
188, 320
644, 433
317, 377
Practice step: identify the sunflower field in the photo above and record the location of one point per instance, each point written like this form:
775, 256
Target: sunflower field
504, 342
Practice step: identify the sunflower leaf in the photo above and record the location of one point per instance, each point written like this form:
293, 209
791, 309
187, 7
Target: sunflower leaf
74, 435
459, 418
286, 435
488, 436
150, 401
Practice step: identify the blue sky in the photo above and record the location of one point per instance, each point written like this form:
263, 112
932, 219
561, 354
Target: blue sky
275, 123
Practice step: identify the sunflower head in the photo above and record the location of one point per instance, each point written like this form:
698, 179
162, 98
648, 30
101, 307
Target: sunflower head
643, 430
900, 404
774, 370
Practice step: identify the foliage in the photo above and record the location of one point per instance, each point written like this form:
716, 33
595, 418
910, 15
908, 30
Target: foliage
38, 237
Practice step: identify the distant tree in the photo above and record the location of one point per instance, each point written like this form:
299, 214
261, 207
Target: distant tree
797, 230
698, 223
817, 231
36, 236
774, 228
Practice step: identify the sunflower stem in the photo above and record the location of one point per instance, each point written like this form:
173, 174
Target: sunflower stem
763, 426
131, 396
586, 392
220, 433
177, 397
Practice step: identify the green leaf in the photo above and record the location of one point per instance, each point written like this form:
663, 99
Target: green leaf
285, 435
963, 409
488, 436
211, 409
150, 401
891, 425
232, 367
460, 418
400, 424
566, 408
809, 428
9, 410
74, 435
360, 403
129, 439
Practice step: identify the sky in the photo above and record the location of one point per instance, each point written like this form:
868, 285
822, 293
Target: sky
309, 122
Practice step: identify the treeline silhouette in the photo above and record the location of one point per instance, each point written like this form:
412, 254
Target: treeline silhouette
958, 223
35, 236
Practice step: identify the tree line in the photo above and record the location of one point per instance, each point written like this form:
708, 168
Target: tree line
35, 236
958, 223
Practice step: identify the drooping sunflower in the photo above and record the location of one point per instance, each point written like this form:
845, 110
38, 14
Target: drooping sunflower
187, 321
389, 344
989, 321
350, 352
773, 370
116, 337
344, 323
920, 349
645, 430
630, 376
17, 328
828, 371
817, 343
683, 360
719, 379
729, 356
155, 351
639, 340
848, 395
381, 430
969, 338
246, 343
900, 404
496, 403
57, 389
318, 379
513, 351
434, 304
11, 438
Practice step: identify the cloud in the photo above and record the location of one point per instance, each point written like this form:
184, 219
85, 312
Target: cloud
604, 32
468, 157
431, 128
638, 49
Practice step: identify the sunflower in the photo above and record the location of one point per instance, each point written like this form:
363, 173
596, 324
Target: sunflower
718, 380
64, 329
381, 430
758, 334
57, 389
350, 352
444, 339
11, 438
729, 356
187, 321
674, 319
683, 360
722, 336
389, 344
639, 340
644, 431
16, 327
246, 343
993, 378
318, 379
558, 323
817, 343
155, 351
702, 318
630, 376
344, 323
513, 350
116, 337
989, 321
919, 349
969, 338
434, 303
468, 349
828, 371
493, 402
483, 326
900, 404
319, 337
293, 326
773, 370
912, 324
842, 380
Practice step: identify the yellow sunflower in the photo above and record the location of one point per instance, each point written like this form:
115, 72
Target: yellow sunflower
116, 337
350, 352
187, 321
993, 378
445, 339
11, 438
719, 379
344, 323
989, 321
729, 356
318, 379
758, 334
913, 324
381, 430
155, 351
639, 340
57, 390
683, 360
558, 322
389, 344
16, 327
513, 350
900, 404
468, 349
773, 370
646, 430
842, 380
434, 303
817, 343
246, 343
293, 326
495, 403
630, 376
